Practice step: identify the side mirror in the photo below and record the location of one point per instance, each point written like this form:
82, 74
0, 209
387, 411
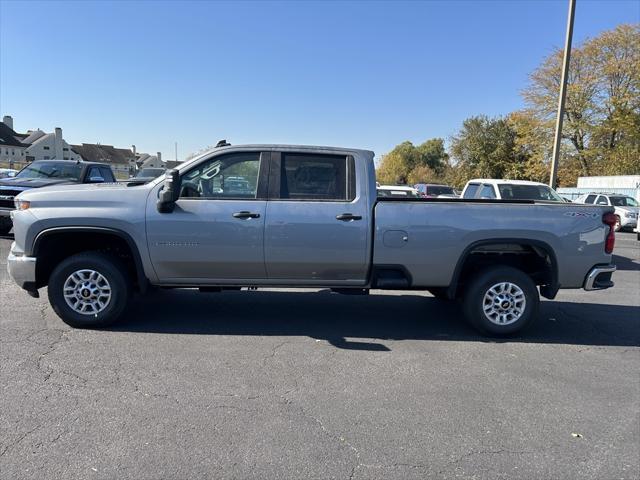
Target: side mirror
96, 180
170, 192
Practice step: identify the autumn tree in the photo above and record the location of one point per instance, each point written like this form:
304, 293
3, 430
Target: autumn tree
408, 163
601, 125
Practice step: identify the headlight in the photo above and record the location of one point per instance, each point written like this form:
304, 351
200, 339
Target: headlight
21, 204
630, 215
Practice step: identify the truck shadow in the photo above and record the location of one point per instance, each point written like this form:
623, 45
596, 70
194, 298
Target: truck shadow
625, 263
337, 318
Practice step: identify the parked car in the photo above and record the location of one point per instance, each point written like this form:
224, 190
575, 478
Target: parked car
311, 219
8, 172
489, 189
431, 190
626, 208
397, 191
45, 173
145, 175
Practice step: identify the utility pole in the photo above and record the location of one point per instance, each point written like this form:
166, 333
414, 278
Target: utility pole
176, 151
563, 95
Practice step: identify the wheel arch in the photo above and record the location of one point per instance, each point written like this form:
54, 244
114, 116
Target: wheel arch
542, 249
97, 234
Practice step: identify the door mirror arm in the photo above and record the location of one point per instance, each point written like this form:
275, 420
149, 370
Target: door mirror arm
170, 192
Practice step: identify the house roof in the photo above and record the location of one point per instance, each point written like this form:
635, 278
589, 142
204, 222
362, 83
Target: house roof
93, 152
42, 138
33, 136
8, 137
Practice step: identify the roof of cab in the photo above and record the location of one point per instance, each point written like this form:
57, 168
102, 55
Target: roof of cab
267, 146
497, 181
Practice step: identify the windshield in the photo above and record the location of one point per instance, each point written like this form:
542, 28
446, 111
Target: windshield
623, 202
62, 170
435, 190
528, 192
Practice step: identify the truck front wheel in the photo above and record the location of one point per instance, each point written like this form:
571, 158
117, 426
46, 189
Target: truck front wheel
501, 300
89, 290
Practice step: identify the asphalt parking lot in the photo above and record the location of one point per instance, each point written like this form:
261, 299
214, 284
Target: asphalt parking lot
282, 384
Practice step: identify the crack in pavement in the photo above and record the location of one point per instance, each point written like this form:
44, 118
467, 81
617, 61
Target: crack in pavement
21, 437
50, 349
481, 452
273, 352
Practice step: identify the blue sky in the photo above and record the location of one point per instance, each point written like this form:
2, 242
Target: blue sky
359, 74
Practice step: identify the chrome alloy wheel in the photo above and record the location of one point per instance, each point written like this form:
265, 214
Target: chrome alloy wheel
87, 292
504, 303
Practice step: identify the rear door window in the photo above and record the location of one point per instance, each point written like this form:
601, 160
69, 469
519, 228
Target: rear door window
487, 192
107, 174
316, 177
471, 190
590, 199
94, 174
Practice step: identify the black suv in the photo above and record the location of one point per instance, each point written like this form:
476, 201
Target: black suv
44, 173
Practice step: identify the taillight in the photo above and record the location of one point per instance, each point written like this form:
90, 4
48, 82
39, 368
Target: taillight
610, 220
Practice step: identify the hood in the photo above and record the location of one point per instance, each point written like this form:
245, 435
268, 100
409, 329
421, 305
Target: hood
629, 209
25, 183
89, 188
86, 195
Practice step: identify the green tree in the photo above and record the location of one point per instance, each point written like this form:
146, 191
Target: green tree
487, 147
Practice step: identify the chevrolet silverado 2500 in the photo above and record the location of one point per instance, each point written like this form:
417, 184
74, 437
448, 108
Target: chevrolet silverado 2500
273, 215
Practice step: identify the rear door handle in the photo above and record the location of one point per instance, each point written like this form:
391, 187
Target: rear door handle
245, 214
345, 217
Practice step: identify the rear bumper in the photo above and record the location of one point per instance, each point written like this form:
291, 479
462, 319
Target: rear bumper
22, 269
599, 277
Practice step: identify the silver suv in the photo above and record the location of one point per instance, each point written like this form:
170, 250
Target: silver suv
626, 207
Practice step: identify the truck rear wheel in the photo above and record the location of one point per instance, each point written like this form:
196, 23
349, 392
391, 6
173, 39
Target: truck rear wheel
500, 301
89, 290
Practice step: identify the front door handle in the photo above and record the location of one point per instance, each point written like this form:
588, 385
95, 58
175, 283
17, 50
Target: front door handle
345, 217
245, 214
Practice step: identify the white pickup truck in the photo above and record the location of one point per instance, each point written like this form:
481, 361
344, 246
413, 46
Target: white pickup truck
299, 216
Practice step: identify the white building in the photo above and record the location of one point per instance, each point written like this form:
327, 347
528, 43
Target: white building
50, 146
12, 147
613, 181
21, 148
151, 161
619, 184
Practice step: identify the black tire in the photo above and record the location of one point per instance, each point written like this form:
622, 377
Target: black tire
111, 268
5, 225
439, 292
474, 300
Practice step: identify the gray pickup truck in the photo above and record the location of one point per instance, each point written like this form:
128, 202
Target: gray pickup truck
300, 216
